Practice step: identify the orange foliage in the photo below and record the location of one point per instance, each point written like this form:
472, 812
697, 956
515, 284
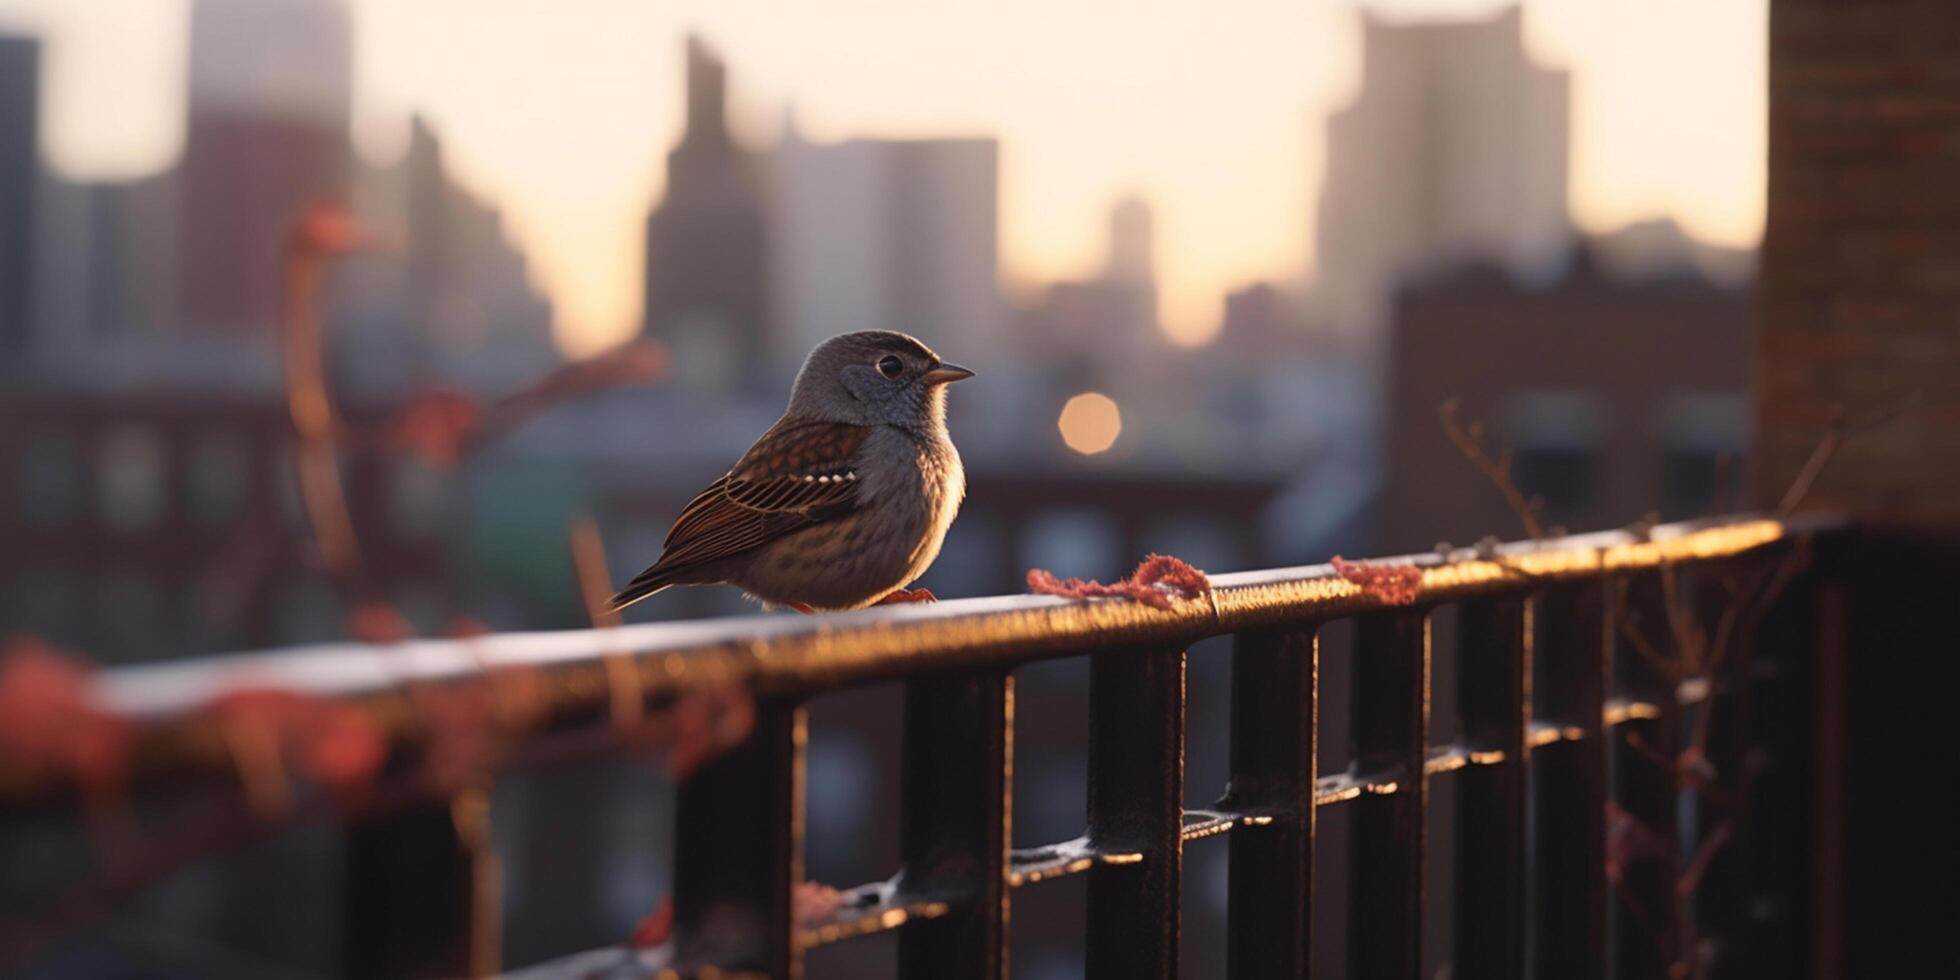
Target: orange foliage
705, 723
374, 622
49, 725
437, 424
656, 928
332, 743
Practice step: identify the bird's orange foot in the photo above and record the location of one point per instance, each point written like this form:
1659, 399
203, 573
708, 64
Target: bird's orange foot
804, 608
908, 595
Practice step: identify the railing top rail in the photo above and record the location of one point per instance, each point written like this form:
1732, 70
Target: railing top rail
786, 655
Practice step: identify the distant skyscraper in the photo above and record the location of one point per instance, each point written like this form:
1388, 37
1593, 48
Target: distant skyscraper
1101, 323
104, 262
1132, 242
270, 95
1455, 148
20, 87
892, 234
455, 304
706, 287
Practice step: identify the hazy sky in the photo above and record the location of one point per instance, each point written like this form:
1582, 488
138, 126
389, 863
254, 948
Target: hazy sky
562, 111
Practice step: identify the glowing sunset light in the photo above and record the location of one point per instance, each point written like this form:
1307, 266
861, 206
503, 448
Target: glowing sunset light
1090, 423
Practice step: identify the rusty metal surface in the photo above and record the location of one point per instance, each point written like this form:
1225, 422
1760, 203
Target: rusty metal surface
1537, 690
1391, 732
791, 655
1494, 701
1136, 804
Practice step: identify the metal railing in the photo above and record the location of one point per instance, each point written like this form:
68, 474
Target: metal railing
1551, 659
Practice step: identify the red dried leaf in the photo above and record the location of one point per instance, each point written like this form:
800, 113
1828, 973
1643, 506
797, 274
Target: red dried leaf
623, 365
436, 424
814, 902
327, 227
373, 622
333, 744
656, 928
50, 726
704, 723
456, 720
1397, 585
464, 723
1159, 582
347, 748
466, 628
1629, 840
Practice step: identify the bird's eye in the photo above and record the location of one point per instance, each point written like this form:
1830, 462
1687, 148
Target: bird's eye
890, 366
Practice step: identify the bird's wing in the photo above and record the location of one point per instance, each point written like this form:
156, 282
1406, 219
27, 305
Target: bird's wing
798, 474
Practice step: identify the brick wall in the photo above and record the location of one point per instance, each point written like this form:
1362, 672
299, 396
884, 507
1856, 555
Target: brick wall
1859, 304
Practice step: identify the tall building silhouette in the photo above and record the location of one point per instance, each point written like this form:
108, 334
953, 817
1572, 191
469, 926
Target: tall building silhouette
891, 234
1132, 242
706, 289
270, 96
1454, 149
454, 303
1100, 324
20, 94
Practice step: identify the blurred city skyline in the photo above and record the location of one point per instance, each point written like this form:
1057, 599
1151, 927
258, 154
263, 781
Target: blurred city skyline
561, 113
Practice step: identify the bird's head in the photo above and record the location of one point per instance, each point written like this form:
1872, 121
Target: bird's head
874, 377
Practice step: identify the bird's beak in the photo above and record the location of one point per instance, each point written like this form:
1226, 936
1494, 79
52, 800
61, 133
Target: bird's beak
946, 374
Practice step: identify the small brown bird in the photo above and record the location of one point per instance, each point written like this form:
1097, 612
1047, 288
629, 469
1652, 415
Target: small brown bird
844, 501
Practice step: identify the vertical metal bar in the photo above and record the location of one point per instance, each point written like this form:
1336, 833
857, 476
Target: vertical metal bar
1494, 701
1777, 807
408, 896
1568, 783
1830, 780
1391, 742
1644, 926
1720, 827
954, 823
738, 853
1136, 813
1275, 724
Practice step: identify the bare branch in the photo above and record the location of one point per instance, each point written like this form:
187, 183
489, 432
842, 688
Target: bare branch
1470, 442
1841, 426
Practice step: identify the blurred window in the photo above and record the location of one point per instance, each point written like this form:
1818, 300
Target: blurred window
50, 478
307, 612
218, 479
973, 560
842, 786
418, 496
1556, 438
285, 483
131, 620
1702, 438
1075, 541
1201, 539
46, 601
130, 488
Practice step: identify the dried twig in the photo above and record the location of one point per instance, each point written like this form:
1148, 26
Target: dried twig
1841, 427
628, 694
324, 232
1470, 442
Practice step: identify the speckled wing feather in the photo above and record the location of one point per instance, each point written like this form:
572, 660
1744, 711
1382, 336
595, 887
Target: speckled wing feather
798, 474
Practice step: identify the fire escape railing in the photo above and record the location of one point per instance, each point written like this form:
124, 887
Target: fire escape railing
1546, 671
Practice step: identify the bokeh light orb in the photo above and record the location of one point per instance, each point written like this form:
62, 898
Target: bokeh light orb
1090, 423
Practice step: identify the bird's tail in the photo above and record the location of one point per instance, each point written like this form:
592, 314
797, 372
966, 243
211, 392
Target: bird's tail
649, 582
